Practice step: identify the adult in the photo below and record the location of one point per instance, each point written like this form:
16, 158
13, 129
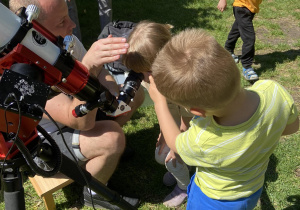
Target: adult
98, 144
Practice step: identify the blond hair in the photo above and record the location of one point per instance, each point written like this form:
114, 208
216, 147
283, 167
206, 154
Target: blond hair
146, 39
195, 71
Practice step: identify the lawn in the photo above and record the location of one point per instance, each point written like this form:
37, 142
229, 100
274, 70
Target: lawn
277, 57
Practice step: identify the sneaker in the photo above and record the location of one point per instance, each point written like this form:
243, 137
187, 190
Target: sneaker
250, 74
235, 57
100, 202
175, 198
168, 179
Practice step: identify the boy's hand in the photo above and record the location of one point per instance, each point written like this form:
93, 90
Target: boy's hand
222, 5
173, 157
104, 51
155, 95
161, 143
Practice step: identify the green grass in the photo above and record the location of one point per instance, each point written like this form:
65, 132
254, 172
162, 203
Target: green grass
277, 57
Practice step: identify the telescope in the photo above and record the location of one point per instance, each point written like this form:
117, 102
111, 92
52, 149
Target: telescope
24, 40
32, 60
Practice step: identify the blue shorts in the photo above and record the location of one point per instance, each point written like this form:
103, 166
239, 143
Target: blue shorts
198, 200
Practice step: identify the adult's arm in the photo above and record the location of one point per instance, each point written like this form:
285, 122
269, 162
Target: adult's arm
102, 51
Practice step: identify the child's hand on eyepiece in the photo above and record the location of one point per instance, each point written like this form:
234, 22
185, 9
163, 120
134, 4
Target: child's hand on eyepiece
155, 95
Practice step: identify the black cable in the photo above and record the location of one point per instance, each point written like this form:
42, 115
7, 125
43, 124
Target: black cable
13, 144
25, 152
75, 159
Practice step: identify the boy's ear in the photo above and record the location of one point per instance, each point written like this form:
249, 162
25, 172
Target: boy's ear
198, 112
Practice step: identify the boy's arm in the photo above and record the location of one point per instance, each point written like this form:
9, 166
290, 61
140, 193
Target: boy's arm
291, 128
167, 124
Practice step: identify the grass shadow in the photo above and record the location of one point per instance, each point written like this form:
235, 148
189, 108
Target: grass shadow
269, 61
72, 193
175, 12
270, 176
295, 199
179, 13
141, 175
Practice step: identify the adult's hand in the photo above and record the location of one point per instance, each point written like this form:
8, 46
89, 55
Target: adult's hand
104, 51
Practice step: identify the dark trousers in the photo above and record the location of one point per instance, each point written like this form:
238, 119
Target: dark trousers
242, 27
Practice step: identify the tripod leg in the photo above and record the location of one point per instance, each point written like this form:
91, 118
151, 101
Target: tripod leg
13, 191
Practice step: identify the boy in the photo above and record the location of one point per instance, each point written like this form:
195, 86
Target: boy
145, 41
235, 130
244, 12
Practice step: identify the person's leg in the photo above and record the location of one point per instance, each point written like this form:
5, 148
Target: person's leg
105, 12
180, 172
185, 119
244, 18
245, 24
103, 146
233, 36
161, 152
99, 150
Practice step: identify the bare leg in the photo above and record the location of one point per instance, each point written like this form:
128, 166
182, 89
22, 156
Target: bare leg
185, 123
103, 146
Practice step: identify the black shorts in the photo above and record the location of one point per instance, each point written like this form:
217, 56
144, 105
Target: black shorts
71, 144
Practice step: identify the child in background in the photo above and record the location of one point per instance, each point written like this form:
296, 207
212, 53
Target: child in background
234, 131
145, 41
244, 12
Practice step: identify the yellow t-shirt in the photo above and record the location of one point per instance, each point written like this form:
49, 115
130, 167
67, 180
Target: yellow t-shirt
231, 161
252, 5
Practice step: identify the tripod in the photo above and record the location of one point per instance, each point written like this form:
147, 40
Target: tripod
14, 191
20, 158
